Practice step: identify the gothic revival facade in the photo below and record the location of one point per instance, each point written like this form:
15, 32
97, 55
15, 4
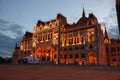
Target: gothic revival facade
82, 43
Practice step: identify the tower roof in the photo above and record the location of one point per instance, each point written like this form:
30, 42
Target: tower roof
83, 14
83, 20
106, 34
16, 46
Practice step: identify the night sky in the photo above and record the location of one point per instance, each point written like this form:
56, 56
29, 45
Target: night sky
18, 16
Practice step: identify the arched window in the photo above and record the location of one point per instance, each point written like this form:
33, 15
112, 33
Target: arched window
82, 40
82, 55
65, 42
75, 41
92, 59
51, 36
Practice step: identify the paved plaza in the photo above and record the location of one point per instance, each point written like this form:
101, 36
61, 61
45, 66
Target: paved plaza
58, 72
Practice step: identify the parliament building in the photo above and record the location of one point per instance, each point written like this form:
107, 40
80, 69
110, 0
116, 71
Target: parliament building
83, 43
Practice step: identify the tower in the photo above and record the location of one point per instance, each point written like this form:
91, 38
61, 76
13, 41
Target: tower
118, 13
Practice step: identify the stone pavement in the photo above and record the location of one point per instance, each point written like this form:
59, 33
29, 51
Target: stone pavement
58, 72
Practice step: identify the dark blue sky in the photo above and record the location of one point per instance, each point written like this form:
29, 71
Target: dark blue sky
18, 16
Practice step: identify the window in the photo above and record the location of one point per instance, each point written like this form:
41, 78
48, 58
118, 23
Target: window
82, 47
91, 46
118, 49
112, 54
119, 60
70, 48
65, 49
65, 42
69, 41
65, 56
77, 40
55, 55
106, 49
113, 49
55, 49
76, 55
114, 60
76, 47
61, 57
71, 56
82, 55
82, 40
118, 54
49, 36
48, 51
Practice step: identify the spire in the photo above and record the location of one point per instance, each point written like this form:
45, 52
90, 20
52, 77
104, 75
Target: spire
106, 34
106, 38
83, 14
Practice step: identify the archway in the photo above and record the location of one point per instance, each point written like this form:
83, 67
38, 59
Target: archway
92, 58
44, 54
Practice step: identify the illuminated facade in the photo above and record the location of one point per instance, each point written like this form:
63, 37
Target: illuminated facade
81, 42
112, 50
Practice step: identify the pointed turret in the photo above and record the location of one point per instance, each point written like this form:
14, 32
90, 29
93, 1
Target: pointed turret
83, 14
106, 38
106, 34
83, 20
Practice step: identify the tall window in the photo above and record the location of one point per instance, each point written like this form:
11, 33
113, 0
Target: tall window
71, 56
118, 49
76, 47
55, 55
91, 46
65, 56
114, 60
65, 49
82, 40
106, 49
77, 40
70, 48
82, 47
65, 42
49, 37
76, 55
82, 55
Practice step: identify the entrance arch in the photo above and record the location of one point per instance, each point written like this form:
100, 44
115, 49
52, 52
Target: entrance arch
92, 58
44, 54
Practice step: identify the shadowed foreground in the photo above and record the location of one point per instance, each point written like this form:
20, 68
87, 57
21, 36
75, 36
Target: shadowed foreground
57, 72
